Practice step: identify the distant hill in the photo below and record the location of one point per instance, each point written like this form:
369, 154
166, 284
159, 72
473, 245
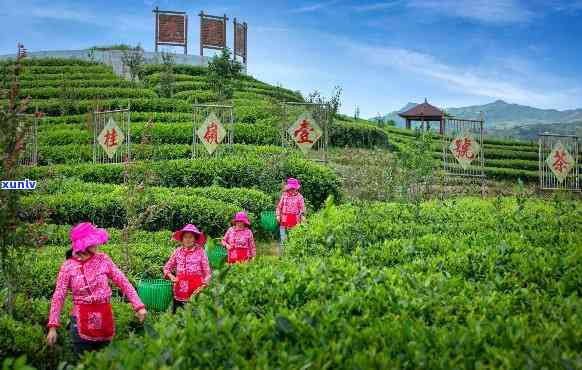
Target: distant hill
501, 114
531, 132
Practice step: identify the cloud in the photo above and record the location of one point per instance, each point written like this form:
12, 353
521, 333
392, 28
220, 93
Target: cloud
376, 6
314, 7
470, 82
486, 11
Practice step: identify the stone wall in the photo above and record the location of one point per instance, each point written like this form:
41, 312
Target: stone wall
113, 58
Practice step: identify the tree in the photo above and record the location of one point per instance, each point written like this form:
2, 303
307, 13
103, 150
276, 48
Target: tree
133, 59
167, 77
222, 74
334, 102
15, 240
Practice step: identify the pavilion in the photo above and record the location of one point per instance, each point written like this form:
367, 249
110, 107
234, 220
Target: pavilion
424, 112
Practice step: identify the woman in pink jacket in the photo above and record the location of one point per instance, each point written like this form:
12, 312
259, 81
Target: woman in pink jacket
290, 209
86, 274
239, 240
190, 263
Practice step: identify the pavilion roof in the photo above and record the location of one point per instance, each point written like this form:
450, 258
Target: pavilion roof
422, 110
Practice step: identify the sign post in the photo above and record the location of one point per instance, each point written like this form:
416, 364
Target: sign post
171, 29
111, 136
306, 125
212, 32
212, 127
559, 162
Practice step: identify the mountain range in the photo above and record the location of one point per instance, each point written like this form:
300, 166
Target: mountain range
502, 115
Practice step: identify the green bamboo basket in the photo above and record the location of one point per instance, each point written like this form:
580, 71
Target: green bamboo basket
269, 221
216, 254
156, 294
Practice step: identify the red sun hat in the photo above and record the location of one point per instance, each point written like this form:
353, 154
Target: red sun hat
201, 239
241, 217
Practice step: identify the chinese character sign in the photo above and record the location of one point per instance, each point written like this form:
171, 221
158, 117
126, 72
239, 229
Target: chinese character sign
172, 28
211, 133
305, 132
465, 149
560, 162
111, 138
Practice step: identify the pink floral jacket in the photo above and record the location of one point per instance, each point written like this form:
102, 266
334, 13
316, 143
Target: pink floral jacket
242, 238
290, 204
189, 261
88, 281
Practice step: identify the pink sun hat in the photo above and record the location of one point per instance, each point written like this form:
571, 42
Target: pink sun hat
85, 235
292, 184
194, 230
241, 217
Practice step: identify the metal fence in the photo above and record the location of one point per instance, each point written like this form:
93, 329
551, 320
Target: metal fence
306, 126
29, 123
212, 129
559, 162
111, 136
463, 148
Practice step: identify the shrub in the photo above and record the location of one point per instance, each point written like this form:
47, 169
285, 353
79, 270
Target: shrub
90, 92
243, 171
357, 135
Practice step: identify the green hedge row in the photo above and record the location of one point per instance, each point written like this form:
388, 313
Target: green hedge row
170, 212
89, 92
196, 96
503, 170
111, 83
357, 135
351, 135
257, 134
61, 76
154, 79
54, 106
83, 153
45, 62
253, 110
273, 92
494, 142
190, 85
183, 69
247, 111
63, 122
499, 154
254, 201
246, 170
479, 222
516, 164
57, 69
210, 208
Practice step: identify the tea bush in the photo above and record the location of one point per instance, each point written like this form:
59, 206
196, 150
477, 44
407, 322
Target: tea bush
251, 170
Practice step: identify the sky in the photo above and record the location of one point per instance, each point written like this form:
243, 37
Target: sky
383, 54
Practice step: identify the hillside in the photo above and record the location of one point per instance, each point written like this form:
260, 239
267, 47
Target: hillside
361, 284
67, 90
531, 132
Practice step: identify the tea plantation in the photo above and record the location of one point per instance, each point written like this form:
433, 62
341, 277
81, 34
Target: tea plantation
463, 282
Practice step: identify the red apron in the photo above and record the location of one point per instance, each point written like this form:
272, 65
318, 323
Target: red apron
238, 255
289, 221
95, 321
186, 286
